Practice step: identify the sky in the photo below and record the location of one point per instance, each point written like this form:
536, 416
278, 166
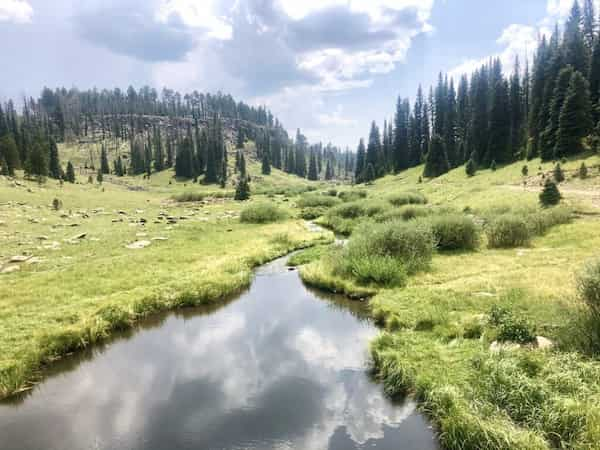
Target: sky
328, 67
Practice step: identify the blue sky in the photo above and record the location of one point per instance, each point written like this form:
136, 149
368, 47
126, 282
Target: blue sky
326, 66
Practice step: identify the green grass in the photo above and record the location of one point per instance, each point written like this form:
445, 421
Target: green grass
81, 289
440, 326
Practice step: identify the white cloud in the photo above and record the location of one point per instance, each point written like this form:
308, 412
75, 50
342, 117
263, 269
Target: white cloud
199, 14
18, 11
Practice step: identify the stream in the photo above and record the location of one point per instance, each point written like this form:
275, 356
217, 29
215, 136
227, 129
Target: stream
279, 367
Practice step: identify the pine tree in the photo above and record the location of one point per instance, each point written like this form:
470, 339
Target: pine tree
118, 164
574, 47
575, 120
223, 177
10, 152
54, 169
37, 163
450, 126
583, 171
550, 134
361, 156
516, 111
436, 163
242, 189
240, 137
312, 167
525, 170
369, 173
558, 174
594, 78
70, 173
401, 144
374, 149
99, 176
266, 157
159, 157
104, 167
499, 133
329, 174
550, 195
471, 167
589, 23
184, 162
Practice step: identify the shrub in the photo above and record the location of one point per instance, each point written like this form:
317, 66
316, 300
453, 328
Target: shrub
511, 327
332, 192
542, 221
316, 200
471, 168
312, 213
588, 285
383, 270
407, 212
407, 198
455, 232
56, 204
348, 210
189, 197
507, 230
559, 175
583, 171
409, 244
550, 195
525, 171
374, 209
351, 196
261, 213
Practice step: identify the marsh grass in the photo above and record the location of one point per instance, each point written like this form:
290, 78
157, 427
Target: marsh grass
261, 213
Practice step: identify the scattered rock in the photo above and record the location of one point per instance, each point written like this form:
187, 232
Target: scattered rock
42, 238
11, 269
19, 258
79, 236
73, 224
543, 343
160, 238
139, 244
117, 220
123, 213
34, 260
142, 220
141, 234
485, 294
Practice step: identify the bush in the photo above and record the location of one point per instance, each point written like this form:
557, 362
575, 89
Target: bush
316, 200
588, 285
409, 244
348, 210
313, 213
407, 212
542, 221
511, 327
407, 198
507, 230
351, 196
455, 232
189, 197
262, 213
383, 270
331, 192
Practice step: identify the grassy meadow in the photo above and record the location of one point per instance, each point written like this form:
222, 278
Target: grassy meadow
487, 329
107, 255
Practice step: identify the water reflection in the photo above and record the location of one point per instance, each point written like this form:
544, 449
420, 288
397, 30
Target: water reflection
278, 368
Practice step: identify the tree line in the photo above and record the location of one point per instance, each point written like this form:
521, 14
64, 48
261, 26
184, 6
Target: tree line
549, 111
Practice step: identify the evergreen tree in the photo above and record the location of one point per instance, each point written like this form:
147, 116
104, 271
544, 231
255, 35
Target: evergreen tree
361, 157
70, 173
550, 195
99, 176
558, 174
575, 120
54, 169
3, 166
574, 47
184, 162
499, 134
369, 173
266, 157
594, 78
10, 152
240, 137
450, 125
374, 148
104, 167
549, 136
516, 111
471, 167
37, 163
436, 163
242, 189
329, 173
118, 164
223, 177
589, 23
159, 157
583, 171
401, 143
525, 170
312, 167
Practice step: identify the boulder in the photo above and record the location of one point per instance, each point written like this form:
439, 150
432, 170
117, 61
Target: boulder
138, 244
160, 238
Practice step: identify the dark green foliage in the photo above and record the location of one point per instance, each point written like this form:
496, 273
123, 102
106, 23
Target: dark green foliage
242, 190
99, 176
3, 166
262, 213
184, 160
266, 156
498, 148
506, 231
54, 169
471, 167
361, 156
525, 171
558, 173
511, 327
104, 167
575, 118
374, 153
119, 168
454, 232
37, 163
436, 163
70, 173
315, 200
350, 196
550, 195
550, 134
583, 171
588, 285
370, 173
493, 166
407, 198
312, 168
10, 152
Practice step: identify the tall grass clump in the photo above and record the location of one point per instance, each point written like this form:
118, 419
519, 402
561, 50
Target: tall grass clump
316, 200
508, 230
541, 221
454, 232
407, 198
588, 285
386, 253
189, 197
262, 213
352, 196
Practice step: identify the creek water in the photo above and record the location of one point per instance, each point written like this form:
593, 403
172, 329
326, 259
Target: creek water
279, 367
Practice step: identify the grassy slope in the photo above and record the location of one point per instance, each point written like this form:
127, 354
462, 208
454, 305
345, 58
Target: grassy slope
517, 399
84, 288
